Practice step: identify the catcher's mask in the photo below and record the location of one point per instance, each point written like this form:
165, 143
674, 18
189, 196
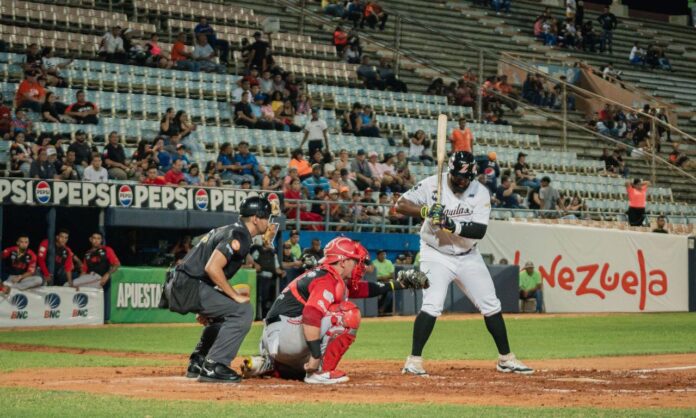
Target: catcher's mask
342, 248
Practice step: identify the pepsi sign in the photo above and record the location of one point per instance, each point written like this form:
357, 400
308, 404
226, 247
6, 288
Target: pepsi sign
43, 192
125, 195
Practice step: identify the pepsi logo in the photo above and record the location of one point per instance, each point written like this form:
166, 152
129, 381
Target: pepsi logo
43, 192
80, 300
52, 300
19, 301
125, 195
201, 199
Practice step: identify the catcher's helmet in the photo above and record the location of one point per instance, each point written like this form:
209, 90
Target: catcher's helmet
463, 165
256, 206
343, 248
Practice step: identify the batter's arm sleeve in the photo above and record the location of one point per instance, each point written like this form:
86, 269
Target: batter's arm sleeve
320, 298
43, 253
471, 230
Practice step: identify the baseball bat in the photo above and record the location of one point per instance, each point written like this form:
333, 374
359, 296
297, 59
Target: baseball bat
441, 151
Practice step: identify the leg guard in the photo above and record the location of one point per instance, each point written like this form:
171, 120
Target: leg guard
342, 322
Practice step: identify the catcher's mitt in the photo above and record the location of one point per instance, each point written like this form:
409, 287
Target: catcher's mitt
412, 279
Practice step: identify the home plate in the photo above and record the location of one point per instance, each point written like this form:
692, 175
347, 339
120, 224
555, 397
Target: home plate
580, 379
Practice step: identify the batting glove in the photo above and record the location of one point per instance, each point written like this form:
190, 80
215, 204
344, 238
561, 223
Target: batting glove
435, 213
447, 223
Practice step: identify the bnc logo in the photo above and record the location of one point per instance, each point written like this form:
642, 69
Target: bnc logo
201, 199
125, 195
80, 300
20, 302
43, 192
52, 300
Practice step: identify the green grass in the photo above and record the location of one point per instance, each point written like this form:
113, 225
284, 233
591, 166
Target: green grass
11, 360
531, 338
34, 403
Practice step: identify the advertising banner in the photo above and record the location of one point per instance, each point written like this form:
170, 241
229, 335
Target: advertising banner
136, 292
597, 270
103, 195
52, 305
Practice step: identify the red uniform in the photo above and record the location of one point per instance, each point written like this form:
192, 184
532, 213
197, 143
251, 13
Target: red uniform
19, 263
99, 260
63, 258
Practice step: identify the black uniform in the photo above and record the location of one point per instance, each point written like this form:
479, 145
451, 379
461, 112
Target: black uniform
230, 321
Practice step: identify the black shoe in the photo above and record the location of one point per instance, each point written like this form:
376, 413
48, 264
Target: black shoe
195, 364
218, 373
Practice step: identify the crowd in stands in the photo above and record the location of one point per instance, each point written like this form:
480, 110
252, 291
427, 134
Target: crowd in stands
359, 13
631, 127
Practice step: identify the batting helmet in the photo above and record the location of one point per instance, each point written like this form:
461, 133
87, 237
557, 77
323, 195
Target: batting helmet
463, 165
256, 206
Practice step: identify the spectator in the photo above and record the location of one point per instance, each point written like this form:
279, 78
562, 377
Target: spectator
33, 59
614, 163
291, 264
525, 176
351, 55
579, 13
265, 83
20, 155
315, 250
608, 22
83, 151
388, 77
316, 131
258, 55
154, 53
268, 271
419, 149
462, 138
551, 201
115, 159
193, 175
347, 178
286, 117
63, 265
295, 211
82, 111
334, 8
369, 75
294, 242
575, 207
637, 55
181, 154
52, 110
153, 178
220, 45
298, 162
30, 94
99, 264
69, 169
272, 180
175, 175
52, 66
251, 169
505, 194
263, 111
680, 159
589, 36
660, 225
60, 170
531, 286
41, 168
374, 14
491, 170
95, 172
609, 73
111, 46
20, 264
205, 55
354, 12
243, 114
497, 4
364, 177
181, 57
5, 117
384, 269
340, 39
315, 180
304, 104
21, 123
637, 195
228, 168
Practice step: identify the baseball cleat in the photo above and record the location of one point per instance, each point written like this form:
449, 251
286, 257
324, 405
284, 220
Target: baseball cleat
509, 364
213, 372
254, 366
195, 364
326, 378
414, 366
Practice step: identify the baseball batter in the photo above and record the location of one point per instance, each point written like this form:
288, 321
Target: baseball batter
312, 324
448, 252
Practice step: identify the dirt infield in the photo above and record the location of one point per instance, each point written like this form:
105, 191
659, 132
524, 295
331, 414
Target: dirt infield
610, 382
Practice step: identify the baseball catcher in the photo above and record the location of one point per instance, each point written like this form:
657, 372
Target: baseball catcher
312, 324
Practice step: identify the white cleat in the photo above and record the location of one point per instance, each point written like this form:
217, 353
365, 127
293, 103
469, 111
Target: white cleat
414, 366
255, 366
326, 378
509, 364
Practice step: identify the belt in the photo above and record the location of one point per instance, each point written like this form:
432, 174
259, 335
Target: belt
457, 254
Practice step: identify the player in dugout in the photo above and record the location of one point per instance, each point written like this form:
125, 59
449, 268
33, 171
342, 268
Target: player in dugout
312, 324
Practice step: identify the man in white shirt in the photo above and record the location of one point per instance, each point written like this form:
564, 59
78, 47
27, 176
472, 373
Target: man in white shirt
111, 46
95, 172
637, 55
205, 55
239, 91
316, 131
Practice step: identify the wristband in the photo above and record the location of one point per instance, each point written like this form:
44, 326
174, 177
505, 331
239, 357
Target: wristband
315, 348
424, 212
391, 283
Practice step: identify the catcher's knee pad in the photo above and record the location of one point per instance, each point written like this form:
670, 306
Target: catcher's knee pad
344, 314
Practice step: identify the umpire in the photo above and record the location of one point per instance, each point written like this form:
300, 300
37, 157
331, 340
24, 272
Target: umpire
199, 284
